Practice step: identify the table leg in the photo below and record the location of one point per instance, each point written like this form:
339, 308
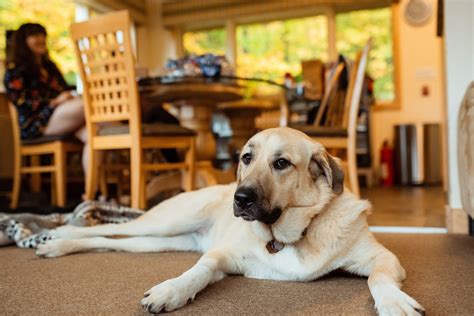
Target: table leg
199, 119
242, 122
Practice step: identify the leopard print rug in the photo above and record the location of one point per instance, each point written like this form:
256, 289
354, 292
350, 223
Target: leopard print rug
29, 230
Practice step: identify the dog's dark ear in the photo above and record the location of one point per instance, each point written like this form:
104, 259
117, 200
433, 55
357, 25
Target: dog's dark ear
323, 164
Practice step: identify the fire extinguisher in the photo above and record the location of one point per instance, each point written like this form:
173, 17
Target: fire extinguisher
386, 164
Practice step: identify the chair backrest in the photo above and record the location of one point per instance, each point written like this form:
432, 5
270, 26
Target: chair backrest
354, 90
329, 93
107, 69
313, 73
340, 107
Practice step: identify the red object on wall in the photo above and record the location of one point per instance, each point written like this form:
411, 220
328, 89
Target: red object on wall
386, 164
425, 91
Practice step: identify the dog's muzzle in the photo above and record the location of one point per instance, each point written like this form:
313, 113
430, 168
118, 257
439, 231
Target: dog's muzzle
248, 206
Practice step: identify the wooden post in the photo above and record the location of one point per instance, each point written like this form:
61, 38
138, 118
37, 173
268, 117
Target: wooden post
178, 40
332, 47
231, 43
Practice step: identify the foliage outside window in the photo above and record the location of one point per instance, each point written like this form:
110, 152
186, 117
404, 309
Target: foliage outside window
56, 16
203, 42
353, 31
269, 50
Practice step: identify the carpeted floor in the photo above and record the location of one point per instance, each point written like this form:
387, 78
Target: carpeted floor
440, 276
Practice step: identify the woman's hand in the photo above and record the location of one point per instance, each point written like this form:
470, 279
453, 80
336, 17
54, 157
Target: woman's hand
61, 98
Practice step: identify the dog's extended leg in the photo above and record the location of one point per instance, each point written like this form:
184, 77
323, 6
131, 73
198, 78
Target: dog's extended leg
385, 276
61, 247
175, 293
139, 227
182, 214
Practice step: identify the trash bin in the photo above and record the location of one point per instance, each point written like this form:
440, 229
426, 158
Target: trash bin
432, 154
406, 160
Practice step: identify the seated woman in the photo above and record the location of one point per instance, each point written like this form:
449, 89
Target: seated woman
34, 84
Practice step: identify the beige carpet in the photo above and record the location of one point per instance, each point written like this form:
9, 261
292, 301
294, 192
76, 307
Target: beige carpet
440, 276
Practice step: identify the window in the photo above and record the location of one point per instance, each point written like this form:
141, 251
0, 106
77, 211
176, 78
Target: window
269, 50
56, 17
203, 42
354, 29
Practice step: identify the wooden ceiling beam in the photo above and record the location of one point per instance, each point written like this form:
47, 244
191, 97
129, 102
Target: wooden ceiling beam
136, 8
189, 13
179, 7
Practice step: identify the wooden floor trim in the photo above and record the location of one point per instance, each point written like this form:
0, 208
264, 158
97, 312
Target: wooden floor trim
408, 230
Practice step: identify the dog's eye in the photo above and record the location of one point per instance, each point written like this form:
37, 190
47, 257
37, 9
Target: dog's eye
246, 158
281, 164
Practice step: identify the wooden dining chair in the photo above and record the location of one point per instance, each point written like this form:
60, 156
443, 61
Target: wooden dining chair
27, 154
336, 122
313, 74
112, 106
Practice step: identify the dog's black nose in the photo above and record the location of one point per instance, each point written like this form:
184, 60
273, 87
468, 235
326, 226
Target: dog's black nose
245, 197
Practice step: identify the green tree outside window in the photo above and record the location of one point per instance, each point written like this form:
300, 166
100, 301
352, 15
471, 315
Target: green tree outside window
203, 42
353, 29
269, 50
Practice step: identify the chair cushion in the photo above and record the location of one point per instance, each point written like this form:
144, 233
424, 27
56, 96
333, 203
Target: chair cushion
312, 130
155, 129
49, 139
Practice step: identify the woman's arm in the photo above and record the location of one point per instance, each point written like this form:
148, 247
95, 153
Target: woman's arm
54, 71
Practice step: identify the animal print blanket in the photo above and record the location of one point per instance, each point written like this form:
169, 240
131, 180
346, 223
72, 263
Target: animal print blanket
29, 230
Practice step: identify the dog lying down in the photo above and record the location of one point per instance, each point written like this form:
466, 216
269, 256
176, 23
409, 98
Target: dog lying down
287, 218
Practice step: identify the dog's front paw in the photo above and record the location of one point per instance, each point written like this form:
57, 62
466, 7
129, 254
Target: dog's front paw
393, 301
64, 232
55, 248
167, 296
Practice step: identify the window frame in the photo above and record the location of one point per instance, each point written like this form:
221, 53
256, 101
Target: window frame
230, 26
395, 103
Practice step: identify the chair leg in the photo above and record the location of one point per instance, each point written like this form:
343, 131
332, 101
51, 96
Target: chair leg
119, 184
54, 196
190, 163
352, 169
143, 198
103, 179
205, 173
16, 181
91, 173
135, 175
60, 175
35, 181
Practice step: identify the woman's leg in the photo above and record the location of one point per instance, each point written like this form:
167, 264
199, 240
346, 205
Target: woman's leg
81, 134
67, 118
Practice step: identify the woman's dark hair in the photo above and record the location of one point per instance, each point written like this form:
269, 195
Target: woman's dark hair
22, 54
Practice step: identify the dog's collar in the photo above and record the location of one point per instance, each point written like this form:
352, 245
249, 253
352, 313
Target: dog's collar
274, 246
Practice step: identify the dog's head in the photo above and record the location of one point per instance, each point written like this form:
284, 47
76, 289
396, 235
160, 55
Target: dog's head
283, 180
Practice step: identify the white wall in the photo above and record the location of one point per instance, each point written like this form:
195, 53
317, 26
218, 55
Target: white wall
459, 50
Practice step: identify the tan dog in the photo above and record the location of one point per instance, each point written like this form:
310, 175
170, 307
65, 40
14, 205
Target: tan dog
288, 218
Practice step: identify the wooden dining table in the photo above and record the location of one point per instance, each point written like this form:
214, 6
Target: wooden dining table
197, 98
